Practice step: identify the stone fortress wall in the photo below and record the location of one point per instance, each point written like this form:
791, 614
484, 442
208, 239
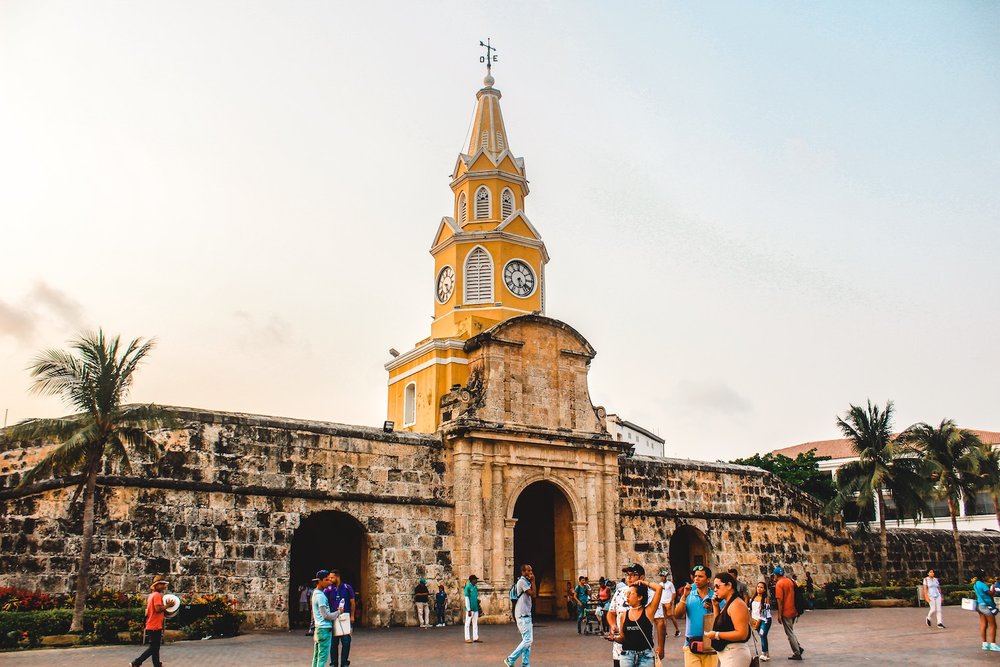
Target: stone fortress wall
746, 517
218, 513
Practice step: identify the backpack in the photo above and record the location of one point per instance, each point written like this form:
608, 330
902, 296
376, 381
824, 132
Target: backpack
800, 600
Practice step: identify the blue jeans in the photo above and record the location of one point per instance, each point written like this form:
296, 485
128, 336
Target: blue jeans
524, 648
321, 647
643, 658
345, 657
765, 626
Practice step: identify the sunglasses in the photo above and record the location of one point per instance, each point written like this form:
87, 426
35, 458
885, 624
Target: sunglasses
698, 568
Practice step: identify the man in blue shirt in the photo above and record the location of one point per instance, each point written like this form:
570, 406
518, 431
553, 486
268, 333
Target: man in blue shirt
323, 620
692, 606
525, 590
340, 593
582, 596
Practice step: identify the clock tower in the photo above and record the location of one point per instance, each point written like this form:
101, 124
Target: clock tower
489, 266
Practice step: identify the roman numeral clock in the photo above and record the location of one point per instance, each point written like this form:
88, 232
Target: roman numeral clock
519, 278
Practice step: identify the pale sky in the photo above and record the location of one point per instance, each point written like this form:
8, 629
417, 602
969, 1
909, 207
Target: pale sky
757, 213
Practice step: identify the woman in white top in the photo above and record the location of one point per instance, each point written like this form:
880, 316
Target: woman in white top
760, 617
932, 593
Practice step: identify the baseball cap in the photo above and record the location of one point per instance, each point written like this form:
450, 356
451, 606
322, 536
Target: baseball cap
634, 568
778, 570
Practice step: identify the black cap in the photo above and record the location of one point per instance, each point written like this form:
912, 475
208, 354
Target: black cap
636, 568
473, 577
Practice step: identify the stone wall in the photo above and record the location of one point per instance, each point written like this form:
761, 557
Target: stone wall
218, 512
750, 519
914, 551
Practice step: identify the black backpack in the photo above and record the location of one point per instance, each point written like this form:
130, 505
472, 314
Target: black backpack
800, 600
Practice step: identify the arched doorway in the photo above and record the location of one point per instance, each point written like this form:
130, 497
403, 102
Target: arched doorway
688, 547
325, 541
543, 538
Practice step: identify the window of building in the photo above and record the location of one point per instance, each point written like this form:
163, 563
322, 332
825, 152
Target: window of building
478, 277
499, 141
506, 203
486, 139
482, 203
462, 209
410, 404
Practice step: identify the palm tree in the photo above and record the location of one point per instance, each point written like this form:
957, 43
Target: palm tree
95, 380
952, 456
883, 466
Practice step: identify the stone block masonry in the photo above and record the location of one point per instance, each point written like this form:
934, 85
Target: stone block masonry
218, 513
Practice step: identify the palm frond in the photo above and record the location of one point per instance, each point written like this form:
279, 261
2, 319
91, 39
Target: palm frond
45, 429
139, 441
67, 458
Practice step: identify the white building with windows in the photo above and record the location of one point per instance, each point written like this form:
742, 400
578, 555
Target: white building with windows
645, 443
974, 514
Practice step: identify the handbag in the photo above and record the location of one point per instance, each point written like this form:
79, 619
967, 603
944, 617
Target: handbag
342, 625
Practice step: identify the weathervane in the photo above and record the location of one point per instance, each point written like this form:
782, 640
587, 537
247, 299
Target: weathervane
490, 57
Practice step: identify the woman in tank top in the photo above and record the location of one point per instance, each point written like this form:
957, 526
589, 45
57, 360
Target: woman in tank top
760, 617
732, 624
636, 632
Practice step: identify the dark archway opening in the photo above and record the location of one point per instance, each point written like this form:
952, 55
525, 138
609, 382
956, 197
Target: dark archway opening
543, 538
325, 541
688, 547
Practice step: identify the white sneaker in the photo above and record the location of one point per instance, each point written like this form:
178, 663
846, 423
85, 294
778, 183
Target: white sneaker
986, 646
765, 658
994, 647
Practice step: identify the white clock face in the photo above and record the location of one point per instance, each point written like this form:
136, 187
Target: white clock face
445, 284
519, 278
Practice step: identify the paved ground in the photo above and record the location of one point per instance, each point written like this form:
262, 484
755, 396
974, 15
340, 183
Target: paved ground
835, 637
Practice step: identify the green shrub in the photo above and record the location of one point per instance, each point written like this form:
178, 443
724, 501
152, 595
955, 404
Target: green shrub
100, 626
848, 601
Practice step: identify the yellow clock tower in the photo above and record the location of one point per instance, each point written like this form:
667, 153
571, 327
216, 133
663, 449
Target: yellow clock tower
489, 266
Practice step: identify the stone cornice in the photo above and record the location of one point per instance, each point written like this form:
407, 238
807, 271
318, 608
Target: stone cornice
476, 428
218, 487
494, 235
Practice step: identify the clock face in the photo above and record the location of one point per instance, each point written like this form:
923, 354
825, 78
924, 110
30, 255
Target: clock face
519, 278
445, 284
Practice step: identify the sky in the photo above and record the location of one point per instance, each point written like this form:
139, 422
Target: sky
757, 213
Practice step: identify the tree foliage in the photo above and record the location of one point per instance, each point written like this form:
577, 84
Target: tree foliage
801, 472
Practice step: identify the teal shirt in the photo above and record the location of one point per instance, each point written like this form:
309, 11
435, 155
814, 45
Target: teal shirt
696, 614
472, 593
319, 600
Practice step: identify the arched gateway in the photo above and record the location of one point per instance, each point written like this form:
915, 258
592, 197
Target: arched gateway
327, 540
544, 537
688, 547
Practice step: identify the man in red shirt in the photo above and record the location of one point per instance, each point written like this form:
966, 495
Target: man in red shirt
784, 591
154, 622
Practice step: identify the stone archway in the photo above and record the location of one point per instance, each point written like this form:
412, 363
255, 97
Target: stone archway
328, 540
544, 538
688, 547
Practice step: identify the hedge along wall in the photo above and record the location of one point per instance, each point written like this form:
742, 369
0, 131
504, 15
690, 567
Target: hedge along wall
913, 551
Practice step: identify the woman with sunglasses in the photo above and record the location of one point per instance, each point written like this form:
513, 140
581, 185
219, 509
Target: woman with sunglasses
732, 624
636, 631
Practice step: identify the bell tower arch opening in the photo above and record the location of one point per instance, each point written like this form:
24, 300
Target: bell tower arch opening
327, 540
688, 547
543, 538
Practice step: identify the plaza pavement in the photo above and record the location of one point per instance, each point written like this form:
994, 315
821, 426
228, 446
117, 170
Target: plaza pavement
830, 637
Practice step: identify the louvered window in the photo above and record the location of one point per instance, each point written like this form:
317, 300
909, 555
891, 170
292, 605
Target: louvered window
486, 139
506, 204
478, 277
410, 404
482, 203
499, 141
462, 209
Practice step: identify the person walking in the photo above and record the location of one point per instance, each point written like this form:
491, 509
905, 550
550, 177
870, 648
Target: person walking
570, 600
810, 592
784, 593
664, 610
636, 629
987, 608
525, 591
440, 604
471, 595
323, 619
731, 630
760, 617
932, 594
155, 616
581, 595
341, 596
692, 603
305, 594
422, 598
